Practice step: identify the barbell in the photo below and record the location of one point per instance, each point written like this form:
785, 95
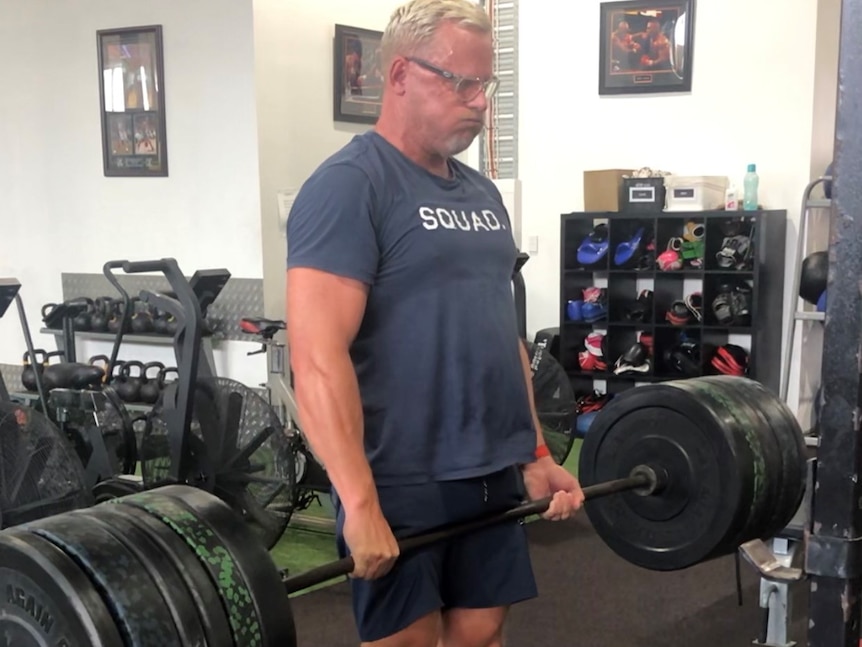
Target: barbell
674, 474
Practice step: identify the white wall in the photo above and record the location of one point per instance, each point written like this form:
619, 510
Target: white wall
825, 84
752, 101
293, 78
60, 214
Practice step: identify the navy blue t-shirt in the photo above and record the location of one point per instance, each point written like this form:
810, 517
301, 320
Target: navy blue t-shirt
437, 358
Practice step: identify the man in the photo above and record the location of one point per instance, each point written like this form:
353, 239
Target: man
624, 48
412, 385
657, 54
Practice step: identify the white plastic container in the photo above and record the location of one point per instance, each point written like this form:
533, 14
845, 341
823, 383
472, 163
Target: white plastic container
695, 193
731, 202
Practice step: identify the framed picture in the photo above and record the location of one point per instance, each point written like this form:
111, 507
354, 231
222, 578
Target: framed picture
646, 46
132, 96
358, 75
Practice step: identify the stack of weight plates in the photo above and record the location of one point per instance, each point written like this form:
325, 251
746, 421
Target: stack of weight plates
172, 567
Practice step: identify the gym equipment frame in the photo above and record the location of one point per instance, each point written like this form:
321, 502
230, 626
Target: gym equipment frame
833, 555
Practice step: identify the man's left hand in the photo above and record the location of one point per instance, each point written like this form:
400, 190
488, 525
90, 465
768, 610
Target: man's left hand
545, 478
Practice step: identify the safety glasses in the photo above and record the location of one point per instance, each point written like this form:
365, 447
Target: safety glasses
466, 88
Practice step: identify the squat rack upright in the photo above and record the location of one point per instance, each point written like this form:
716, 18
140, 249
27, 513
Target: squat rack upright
833, 556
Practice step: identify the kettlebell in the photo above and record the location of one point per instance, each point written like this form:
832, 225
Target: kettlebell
115, 377
163, 374
142, 321
28, 375
150, 389
83, 321
160, 321
129, 386
99, 318
115, 318
102, 362
47, 309
170, 324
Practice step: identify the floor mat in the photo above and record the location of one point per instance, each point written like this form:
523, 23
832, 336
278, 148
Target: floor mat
591, 598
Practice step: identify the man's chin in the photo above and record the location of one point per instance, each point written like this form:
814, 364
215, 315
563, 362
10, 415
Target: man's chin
459, 143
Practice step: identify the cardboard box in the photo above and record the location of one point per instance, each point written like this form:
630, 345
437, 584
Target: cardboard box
603, 189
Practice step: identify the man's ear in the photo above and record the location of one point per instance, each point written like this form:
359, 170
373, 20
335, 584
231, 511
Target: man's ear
398, 75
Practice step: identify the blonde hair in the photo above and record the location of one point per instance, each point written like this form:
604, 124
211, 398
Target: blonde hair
414, 24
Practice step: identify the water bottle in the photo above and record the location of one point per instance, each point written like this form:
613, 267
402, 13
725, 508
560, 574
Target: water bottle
749, 197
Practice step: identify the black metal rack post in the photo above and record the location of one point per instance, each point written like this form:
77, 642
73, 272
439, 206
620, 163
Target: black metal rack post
833, 551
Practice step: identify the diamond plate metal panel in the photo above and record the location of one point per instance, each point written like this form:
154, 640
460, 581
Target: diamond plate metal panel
239, 298
12, 376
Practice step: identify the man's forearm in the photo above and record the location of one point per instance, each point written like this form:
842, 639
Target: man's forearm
528, 376
330, 416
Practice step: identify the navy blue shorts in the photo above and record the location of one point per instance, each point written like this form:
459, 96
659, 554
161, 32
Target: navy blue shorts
488, 568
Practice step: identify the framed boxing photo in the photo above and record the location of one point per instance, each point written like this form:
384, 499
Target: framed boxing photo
132, 98
646, 46
358, 75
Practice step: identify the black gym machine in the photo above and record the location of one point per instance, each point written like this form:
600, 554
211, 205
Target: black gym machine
206, 431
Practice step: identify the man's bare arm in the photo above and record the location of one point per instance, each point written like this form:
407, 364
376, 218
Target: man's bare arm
324, 313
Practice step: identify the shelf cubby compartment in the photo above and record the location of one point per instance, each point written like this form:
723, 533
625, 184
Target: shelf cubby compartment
574, 235
737, 232
724, 284
632, 248
668, 340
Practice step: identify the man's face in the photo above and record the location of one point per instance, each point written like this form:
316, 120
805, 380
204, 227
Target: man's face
446, 122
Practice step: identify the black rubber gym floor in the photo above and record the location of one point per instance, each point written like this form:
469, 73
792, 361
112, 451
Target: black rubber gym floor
591, 598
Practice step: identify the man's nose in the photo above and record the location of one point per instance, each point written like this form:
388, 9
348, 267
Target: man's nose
479, 102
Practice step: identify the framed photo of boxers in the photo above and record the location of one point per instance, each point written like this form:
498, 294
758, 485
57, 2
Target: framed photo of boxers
358, 75
647, 46
132, 97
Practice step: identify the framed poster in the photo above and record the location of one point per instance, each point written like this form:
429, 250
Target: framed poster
646, 46
132, 97
358, 75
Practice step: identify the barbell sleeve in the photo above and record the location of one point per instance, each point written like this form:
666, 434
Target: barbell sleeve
345, 566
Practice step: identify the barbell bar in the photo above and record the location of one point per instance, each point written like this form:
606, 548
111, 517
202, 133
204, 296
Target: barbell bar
642, 478
674, 474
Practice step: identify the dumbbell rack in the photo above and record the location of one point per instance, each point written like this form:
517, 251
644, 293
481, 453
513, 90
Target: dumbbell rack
240, 297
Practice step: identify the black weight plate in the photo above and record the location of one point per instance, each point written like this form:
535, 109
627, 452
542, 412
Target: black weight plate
130, 593
688, 521
756, 456
199, 585
160, 568
218, 559
759, 410
271, 602
789, 443
756, 418
47, 599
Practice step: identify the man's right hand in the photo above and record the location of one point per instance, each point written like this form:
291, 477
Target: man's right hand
370, 540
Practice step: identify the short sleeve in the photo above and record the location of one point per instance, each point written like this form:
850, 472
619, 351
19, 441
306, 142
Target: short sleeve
330, 226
